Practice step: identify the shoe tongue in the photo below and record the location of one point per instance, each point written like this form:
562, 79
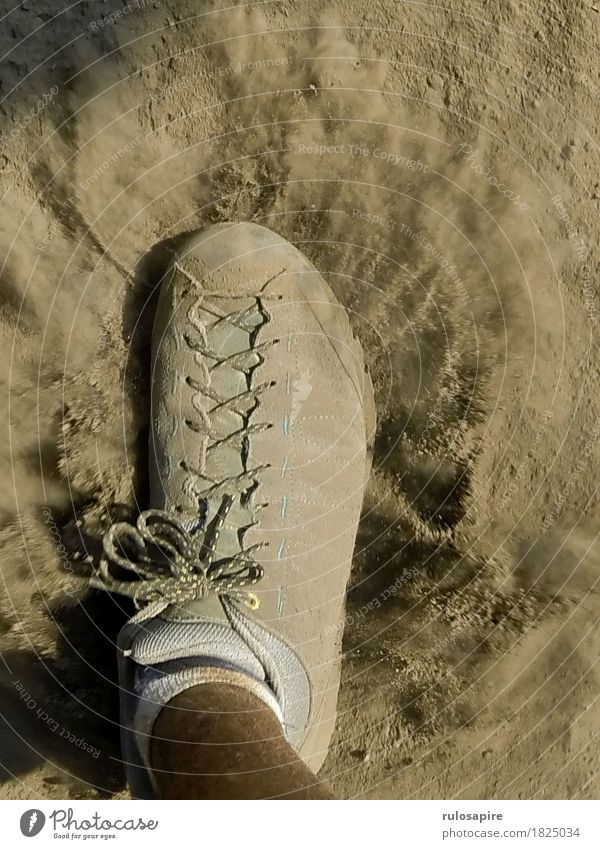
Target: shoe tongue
209, 608
231, 378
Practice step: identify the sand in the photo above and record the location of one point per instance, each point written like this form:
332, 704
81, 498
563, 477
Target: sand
439, 165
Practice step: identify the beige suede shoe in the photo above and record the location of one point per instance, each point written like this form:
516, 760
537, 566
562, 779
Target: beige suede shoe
261, 418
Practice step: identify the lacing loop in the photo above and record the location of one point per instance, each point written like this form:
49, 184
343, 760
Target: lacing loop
163, 563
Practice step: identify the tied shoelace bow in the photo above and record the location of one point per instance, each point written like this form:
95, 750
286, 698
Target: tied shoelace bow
163, 563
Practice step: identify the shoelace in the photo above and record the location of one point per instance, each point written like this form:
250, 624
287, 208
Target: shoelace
198, 343
161, 561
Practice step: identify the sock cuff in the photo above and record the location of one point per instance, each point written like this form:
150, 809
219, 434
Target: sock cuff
155, 691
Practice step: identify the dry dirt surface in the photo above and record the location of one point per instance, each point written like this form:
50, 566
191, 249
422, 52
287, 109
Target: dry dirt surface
439, 163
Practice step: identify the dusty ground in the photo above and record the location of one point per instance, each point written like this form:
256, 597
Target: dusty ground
439, 164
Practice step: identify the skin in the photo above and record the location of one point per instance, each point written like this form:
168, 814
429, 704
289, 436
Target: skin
219, 741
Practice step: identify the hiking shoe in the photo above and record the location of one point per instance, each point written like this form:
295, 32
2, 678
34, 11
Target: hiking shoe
261, 417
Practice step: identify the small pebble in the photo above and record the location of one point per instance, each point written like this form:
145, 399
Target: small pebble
360, 755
